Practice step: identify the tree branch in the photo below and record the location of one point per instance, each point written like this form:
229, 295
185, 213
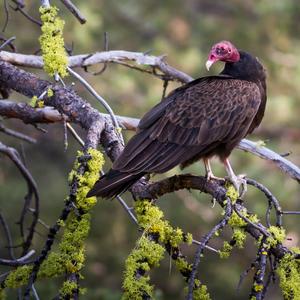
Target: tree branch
85, 60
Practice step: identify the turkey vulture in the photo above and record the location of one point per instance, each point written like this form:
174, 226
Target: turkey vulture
203, 118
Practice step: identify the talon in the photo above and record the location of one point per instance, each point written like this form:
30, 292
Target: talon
213, 202
208, 172
239, 182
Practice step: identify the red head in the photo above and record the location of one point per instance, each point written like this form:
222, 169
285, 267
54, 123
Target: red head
222, 51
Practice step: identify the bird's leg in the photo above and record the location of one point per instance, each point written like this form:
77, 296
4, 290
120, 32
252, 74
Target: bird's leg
239, 182
208, 172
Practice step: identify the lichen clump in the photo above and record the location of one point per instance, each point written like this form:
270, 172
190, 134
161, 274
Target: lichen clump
289, 275
277, 236
35, 102
52, 42
231, 193
71, 250
147, 254
150, 249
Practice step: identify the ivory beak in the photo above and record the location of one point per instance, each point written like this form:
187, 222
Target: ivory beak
209, 63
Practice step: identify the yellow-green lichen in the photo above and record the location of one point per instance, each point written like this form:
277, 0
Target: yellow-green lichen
53, 266
226, 250
18, 277
52, 42
61, 223
68, 288
200, 291
277, 236
288, 271
50, 93
182, 265
236, 221
258, 287
253, 218
87, 181
150, 218
239, 236
231, 193
189, 238
33, 101
71, 250
147, 254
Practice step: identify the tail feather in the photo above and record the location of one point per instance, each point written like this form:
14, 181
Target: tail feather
113, 183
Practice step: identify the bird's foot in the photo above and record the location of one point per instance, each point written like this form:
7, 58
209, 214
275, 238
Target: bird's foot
210, 176
240, 184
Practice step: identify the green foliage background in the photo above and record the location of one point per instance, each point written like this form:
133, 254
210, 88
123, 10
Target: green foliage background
185, 31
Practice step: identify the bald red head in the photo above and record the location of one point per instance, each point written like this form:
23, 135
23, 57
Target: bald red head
222, 51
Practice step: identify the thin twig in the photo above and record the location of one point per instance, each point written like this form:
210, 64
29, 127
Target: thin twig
16, 134
7, 42
20, 3
204, 241
74, 10
8, 236
96, 95
238, 209
272, 201
6, 15
206, 246
105, 49
26, 15
34, 292
32, 190
261, 263
19, 261
290, 212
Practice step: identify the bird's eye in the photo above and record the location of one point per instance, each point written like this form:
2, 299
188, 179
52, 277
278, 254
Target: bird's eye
229, 50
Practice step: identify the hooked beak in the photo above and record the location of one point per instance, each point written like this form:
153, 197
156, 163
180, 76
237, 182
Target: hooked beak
209, 63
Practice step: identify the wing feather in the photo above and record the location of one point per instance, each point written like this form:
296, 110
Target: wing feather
192, 121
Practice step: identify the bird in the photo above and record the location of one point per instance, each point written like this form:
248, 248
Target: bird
206, 117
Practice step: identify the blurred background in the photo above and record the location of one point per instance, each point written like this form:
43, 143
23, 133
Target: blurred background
184, 31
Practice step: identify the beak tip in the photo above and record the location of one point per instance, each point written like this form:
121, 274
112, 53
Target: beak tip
208, 64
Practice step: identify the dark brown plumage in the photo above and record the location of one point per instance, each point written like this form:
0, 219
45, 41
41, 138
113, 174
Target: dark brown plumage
206, 117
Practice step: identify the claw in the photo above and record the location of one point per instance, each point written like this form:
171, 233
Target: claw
208, 172
239, 182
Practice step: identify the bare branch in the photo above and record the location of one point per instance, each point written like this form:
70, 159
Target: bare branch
16, 134
74, 10
6, 15
25, 14
285, 165
8, 236
204, 241
7, 42
85, 60
32, 191
19, 261
272, 202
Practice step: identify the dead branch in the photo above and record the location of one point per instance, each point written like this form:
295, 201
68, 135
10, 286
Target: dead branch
32, 193
85, 60
74, 10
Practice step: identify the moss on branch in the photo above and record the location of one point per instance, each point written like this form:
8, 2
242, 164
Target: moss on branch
52, 42
70, 256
